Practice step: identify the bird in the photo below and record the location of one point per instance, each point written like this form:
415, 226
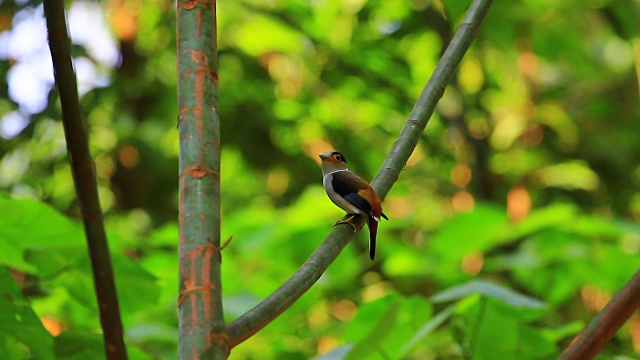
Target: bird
352, 194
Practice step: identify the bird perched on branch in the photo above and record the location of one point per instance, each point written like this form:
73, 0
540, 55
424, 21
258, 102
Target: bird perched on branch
352, 194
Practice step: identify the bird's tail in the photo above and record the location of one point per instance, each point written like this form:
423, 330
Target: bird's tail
373, 231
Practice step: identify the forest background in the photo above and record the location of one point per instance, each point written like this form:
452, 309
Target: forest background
513, 223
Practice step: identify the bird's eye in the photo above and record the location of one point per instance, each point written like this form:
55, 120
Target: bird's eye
338, 157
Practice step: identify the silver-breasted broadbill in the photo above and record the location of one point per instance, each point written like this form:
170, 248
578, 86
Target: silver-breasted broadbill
352, 194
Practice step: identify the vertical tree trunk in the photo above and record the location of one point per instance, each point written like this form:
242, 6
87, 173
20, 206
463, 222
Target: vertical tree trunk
203, 333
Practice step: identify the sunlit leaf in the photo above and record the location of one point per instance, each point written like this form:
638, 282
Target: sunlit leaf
487, 289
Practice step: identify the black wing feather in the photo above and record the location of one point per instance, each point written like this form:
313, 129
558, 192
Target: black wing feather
348, 189
359, 202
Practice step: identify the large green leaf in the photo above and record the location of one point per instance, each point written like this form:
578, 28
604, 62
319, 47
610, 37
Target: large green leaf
486, 331
69, 267
28, 224
21, 332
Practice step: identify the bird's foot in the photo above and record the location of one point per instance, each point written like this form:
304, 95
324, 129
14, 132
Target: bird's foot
348, 221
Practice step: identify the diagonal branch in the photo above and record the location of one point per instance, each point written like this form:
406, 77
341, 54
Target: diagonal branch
84, 177
263, 313
602, 328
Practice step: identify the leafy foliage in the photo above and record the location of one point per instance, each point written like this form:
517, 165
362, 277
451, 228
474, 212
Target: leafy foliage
511, 226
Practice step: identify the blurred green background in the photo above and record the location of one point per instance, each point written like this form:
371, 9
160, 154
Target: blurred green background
513, 223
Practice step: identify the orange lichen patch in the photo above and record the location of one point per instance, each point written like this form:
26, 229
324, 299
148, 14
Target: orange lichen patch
462, 201
190, 4
593, 298
518, 204
198, 26
344, 310
128, 156
472, 263
200, 71
460, 175
52, 325
218, 338
197, 279
197, 173
198, 57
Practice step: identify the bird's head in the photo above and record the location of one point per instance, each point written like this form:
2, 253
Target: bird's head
332, 161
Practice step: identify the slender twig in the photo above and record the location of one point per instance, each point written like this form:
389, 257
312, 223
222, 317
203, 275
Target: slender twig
263, 313
602, 328
83, 170
203, 332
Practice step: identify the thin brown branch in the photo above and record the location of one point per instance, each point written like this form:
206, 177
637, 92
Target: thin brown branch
84, 177
263, 313
602, 328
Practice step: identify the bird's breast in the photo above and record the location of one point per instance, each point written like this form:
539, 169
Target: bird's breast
343, 203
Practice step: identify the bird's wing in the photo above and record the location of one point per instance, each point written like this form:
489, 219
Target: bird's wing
357, 191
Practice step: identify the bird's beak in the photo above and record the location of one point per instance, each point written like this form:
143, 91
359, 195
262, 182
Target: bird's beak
324, 155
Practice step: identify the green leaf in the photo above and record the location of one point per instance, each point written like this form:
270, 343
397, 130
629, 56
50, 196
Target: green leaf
21, 332
79, 345
425, 330
569, 175
535, 344
413, 313
487, 289
51, 261
370, 344
26, 224
69, 267
555, 215
478, 230
282, 38
491, 334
